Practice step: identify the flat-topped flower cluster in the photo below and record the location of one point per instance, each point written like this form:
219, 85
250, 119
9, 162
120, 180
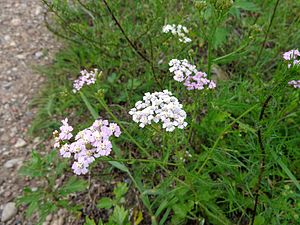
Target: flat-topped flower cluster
89, 144
159, 107
177, 30
199, 82
86, 78
181, 69
294, 83
193, 79
292, 56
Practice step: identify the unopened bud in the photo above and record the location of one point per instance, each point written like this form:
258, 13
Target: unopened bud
222, 5
100, 93
200, 5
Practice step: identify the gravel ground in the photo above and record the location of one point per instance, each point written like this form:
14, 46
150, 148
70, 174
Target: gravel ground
24, 42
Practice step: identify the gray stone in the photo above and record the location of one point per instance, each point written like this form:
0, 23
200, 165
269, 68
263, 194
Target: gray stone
38, 55
20, 143
49, 218
15, 22
59, 221
38, 10
9, 211
13, 162
21, 56
36, 140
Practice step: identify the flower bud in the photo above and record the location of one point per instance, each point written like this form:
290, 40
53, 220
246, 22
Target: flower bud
100, 93
55, 133
222, 5
200, 5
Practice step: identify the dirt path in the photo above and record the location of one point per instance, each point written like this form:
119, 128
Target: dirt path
24, 42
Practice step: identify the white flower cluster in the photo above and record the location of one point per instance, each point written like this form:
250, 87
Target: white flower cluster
181, 69
159, 106
179, 30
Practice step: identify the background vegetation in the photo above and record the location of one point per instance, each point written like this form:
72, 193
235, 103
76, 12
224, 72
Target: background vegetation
243, 137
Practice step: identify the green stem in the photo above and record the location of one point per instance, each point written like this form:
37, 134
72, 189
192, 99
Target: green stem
193, 117
231, 53
267, 33
89, 106
209, 57
132, 161
104, 105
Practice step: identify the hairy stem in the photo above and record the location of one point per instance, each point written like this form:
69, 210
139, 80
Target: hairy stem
263, 157
124, 34
267, 33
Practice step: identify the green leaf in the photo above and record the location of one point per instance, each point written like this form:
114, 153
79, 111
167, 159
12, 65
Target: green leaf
286, 170
116, 150
73, 185
105, 203
61, 166
259, 220
246, 5
120, 166
220, 37
180, 210
112, 78
120, 215
33, 206
45, 209
52, 156
89, 221
133, 83
120, 190
35, 167
30, 196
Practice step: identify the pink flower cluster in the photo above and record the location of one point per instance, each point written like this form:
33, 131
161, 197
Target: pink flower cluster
86, 78
193, 79
199, 81
295, 83
292, 56
64, 134
89, 144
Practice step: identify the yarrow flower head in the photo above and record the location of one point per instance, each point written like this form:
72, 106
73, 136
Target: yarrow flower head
295, 83
177, 30
159, 107
292, 56
86, 78
185, 72
89, 144
182, 69
199, 81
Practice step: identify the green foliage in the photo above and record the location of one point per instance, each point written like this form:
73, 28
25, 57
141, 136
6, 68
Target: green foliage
48, 197
119, 215
209, 172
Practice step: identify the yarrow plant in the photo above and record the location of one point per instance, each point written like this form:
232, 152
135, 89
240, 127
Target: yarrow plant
292, 56
177, 30
159, 106
89, 144
86, 78
183, 71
